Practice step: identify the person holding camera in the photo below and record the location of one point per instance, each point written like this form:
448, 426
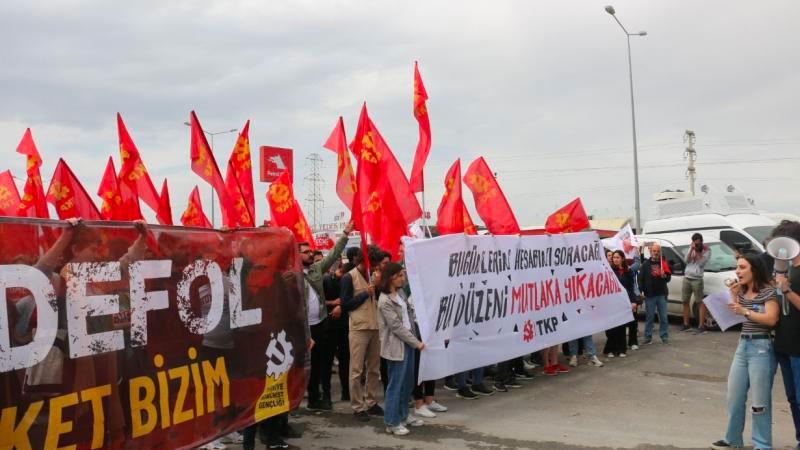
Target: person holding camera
696, 259
753, 366
787, 332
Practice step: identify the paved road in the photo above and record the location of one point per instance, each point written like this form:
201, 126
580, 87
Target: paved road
660, 397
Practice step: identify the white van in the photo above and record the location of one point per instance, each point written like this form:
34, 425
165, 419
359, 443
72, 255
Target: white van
729, 218
674, 247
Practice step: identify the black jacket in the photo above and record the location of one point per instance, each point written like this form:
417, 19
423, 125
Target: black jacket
626, 279
332, 287
652, 286
349, 300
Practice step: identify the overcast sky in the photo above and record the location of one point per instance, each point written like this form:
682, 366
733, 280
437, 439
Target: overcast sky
540, 89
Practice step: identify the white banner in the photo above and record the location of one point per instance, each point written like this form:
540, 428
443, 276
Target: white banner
624, 240
486, 299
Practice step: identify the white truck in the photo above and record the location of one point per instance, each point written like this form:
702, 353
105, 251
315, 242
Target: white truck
730, 218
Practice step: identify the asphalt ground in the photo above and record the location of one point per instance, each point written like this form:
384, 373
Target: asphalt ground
659, 397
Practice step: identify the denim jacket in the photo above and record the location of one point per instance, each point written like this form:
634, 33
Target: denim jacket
393, 333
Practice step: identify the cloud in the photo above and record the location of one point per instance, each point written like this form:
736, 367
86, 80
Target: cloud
538, 88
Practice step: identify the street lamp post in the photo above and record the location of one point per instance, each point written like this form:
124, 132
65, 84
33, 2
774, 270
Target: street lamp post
211, 135
637, 206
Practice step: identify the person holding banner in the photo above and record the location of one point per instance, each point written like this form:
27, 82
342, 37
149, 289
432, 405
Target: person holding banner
396, 322
653, 278
753, 366
615, 343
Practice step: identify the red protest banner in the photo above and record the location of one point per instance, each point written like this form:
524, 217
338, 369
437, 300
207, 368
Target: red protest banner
163, 337
323, 241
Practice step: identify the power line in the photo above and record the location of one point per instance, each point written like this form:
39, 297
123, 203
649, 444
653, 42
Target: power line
648, 166
645, 148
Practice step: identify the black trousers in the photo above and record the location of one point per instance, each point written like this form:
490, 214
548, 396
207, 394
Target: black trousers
267, 428
424, 389
504, 372
320, 369
633, 332
517, 366
339, 347
507, 370
615, 340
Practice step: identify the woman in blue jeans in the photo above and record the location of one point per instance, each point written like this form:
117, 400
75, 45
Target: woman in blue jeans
396, 320
753, 364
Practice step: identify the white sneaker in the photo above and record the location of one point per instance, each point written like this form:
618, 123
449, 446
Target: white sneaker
573, 361
216, 444
634, 347
399, 430
609, 355
233, 438
595, 361
528, 364
622, 355
412, 421
436, 407
423, 411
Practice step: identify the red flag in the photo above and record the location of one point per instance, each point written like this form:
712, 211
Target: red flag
469, 226
34, 202
164, 207
109, 191
345, 178
68, 195
665, 267
204, 165
239, 180
384, 203
194, 216
133, 173
570, 218
424, 143
285, 211
490, 201
302, 230
450, 215
119, 202
9, 196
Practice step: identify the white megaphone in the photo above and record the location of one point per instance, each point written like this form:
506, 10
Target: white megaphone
783, 249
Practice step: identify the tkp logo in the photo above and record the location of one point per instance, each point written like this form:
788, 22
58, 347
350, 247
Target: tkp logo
279, 355
527, 331
274, 161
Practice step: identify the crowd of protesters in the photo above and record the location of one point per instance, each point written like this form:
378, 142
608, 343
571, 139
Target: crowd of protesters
363, 325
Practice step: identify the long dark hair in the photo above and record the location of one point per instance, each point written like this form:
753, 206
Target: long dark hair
385, 281
759, 270
624, 267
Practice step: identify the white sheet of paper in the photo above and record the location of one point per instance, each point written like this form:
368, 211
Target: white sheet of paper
717, 304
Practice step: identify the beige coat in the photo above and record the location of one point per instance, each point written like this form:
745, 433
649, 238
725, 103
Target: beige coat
365, 317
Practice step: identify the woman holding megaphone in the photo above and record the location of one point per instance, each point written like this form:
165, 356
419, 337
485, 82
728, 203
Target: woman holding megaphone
753, 366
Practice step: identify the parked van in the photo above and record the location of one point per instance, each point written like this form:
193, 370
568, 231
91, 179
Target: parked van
674, 248
731, 219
